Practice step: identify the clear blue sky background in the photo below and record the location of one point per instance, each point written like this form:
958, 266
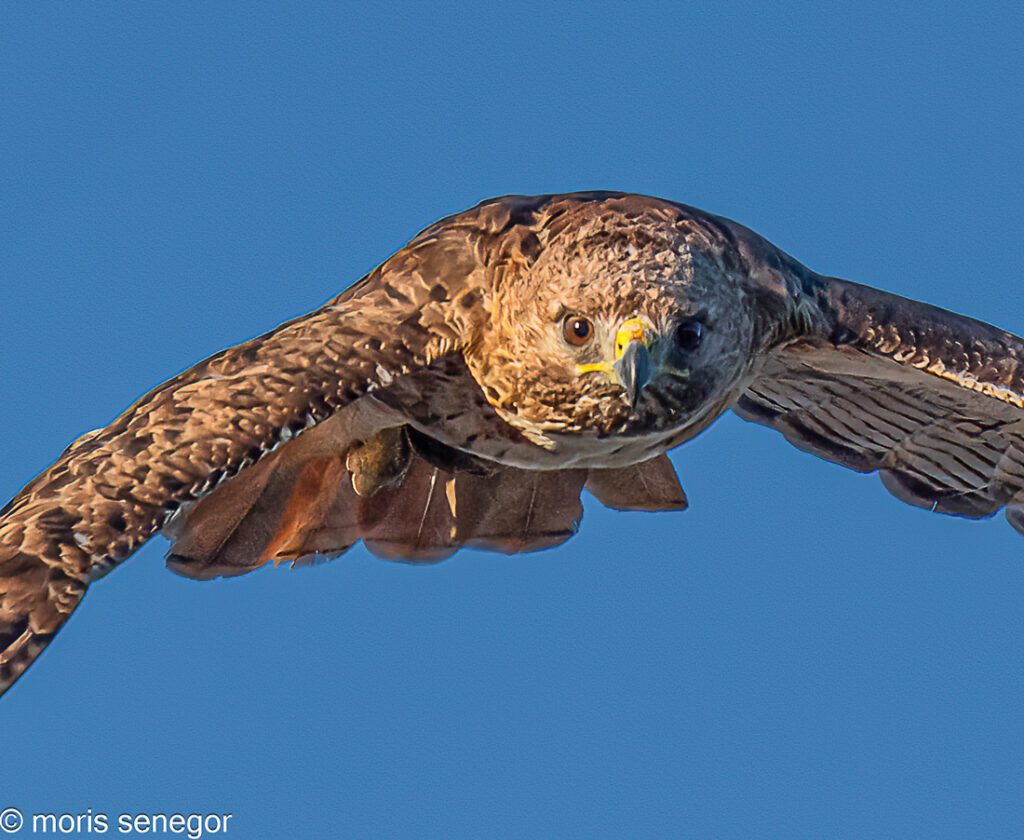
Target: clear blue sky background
798, 655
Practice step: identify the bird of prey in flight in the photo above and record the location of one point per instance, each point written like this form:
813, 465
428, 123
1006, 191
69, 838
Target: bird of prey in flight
468, 389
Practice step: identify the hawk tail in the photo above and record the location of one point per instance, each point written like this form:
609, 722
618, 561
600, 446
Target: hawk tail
35, 601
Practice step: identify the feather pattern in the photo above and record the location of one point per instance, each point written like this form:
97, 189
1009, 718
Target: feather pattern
928, 398
113, 488
438, 403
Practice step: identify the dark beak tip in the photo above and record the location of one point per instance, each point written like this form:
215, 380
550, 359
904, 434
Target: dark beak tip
633, 370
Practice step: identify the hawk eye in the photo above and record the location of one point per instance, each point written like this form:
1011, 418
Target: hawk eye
689, 335
577, 330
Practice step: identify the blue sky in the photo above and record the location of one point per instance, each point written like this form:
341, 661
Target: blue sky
798, 655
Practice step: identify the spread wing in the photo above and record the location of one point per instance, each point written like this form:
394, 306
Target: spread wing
297, 444
112, 489
932, 400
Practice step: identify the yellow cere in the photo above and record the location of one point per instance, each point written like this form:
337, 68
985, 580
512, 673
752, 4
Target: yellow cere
634, 329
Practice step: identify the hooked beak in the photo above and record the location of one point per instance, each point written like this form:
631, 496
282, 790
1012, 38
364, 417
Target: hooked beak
633, 369
632, 357
639, 358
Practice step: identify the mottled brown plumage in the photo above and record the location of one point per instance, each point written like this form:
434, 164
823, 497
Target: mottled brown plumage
466, 391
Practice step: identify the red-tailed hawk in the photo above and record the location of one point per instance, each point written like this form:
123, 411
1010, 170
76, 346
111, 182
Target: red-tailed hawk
466, 391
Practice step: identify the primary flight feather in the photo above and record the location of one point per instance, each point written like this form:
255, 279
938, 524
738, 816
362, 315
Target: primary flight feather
466, 391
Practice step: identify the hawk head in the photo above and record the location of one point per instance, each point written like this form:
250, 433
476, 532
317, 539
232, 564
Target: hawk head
620, 327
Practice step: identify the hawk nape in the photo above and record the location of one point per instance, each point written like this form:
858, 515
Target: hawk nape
466, 391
